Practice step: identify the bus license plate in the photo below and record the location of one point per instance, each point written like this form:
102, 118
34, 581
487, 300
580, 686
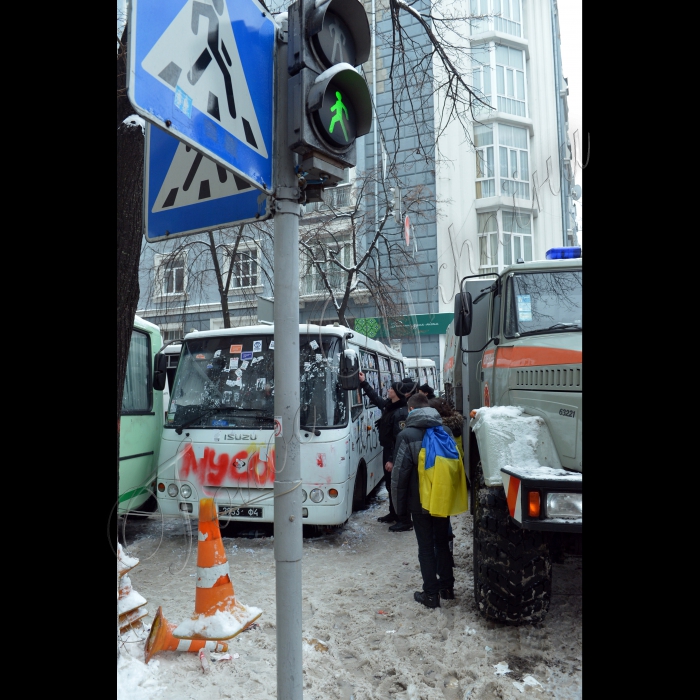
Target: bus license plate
237, 512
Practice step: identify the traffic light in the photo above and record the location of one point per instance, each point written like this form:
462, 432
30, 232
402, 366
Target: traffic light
329, 103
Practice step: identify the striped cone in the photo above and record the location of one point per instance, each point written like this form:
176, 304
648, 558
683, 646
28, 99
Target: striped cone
161, 638
217, 613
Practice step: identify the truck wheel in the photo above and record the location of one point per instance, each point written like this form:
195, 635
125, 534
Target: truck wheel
512, 566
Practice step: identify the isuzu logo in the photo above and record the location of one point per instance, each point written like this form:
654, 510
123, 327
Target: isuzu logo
241, 436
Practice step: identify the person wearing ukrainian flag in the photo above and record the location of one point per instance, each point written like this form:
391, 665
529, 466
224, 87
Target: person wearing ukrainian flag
428, 481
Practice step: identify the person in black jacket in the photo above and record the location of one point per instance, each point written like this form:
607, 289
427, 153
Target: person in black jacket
394, 414
432, 533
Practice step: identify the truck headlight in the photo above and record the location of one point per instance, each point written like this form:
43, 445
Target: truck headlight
564, 505
172, 490
185, 491
316, 495
303, 496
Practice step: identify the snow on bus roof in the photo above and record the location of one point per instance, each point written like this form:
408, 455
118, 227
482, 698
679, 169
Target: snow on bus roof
305, 328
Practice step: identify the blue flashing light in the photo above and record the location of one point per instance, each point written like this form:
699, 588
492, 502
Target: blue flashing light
564, 252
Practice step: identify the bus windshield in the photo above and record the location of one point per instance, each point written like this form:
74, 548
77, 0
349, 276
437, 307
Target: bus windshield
228, 381
544, 302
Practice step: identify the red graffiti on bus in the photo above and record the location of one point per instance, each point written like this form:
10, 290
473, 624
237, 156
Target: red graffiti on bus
245, 468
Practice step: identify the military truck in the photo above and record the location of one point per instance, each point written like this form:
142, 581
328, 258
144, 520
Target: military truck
519, 349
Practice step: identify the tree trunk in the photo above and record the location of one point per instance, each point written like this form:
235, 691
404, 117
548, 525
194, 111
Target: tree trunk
130, 143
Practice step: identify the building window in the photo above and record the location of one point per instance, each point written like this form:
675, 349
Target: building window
517, 237
509, 21
171, 273
481, 75
510, 80
505, 16
312, 282
333, 198
488, 242
245, 269
514, 168
483, 140
504, 237
174, 275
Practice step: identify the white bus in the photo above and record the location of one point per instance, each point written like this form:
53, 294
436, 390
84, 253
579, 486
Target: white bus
218, 439
424, 372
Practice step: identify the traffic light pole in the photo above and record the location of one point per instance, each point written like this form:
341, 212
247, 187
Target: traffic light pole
288, 517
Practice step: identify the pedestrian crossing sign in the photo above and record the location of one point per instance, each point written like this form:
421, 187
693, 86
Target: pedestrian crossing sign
203, 71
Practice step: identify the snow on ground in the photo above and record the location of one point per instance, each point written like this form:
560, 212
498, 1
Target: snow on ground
364, 635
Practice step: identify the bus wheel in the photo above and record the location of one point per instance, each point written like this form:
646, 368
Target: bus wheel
359, 492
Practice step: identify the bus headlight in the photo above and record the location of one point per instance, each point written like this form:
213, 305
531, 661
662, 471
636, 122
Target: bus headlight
185, 490
316, 495
303, 496
172, 490
564, 505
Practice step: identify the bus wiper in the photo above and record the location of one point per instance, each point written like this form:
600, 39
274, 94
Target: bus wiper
555, 327
206, 412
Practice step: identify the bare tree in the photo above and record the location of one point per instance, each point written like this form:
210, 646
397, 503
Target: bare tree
345, 256
230, 259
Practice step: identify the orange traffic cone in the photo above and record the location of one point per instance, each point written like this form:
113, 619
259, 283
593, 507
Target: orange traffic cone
217, 613
161, 638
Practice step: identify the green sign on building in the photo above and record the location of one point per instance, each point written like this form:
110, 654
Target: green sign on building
404, 326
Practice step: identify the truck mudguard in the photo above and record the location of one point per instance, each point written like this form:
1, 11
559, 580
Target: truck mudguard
509, 438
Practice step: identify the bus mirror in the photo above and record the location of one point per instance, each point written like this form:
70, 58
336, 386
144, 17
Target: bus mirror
349, 370
463, 314
160, 363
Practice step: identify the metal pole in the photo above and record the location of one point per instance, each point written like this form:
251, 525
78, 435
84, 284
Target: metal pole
288, 523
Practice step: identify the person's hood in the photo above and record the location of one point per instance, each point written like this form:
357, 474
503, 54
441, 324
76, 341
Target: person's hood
423, 418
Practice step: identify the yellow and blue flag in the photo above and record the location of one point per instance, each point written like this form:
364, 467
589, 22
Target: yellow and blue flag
441, 477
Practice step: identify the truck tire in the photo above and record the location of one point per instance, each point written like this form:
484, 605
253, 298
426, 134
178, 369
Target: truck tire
512, 566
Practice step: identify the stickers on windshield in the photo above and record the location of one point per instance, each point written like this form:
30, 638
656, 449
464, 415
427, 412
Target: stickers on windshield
217, 353
247, 355
307, 366
233, 364
244, 365
313, 344
524, 307
257, 346
230, 382
271, 346
239, 373
236, 349
260, 383
319, 357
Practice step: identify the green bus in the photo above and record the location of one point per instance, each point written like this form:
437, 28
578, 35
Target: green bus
141, 425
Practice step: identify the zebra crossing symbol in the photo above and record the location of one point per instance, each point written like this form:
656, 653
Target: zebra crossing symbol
192, 178
197, 58
186, 192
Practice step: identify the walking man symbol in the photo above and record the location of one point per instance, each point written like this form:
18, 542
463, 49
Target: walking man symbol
339, 108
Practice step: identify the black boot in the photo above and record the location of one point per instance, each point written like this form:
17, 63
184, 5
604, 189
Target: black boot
387, 518
430, 601
401, 527
447, 593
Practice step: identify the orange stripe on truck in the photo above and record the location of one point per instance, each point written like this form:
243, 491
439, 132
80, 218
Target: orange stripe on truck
536, 357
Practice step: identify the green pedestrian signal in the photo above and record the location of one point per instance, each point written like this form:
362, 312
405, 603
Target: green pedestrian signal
339, 108
329, 103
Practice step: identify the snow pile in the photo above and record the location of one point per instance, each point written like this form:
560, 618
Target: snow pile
135, 680
221, 625
508, 437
